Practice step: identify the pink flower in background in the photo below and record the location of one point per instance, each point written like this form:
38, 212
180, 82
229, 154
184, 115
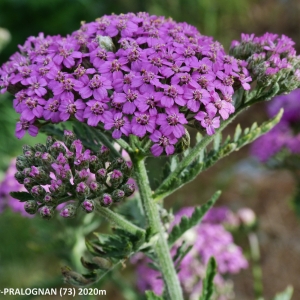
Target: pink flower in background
10, 184
210, 238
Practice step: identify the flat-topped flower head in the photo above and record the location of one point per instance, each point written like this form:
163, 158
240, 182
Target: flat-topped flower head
126, 73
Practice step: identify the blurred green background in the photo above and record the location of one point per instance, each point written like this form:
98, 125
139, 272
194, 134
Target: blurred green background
32, 250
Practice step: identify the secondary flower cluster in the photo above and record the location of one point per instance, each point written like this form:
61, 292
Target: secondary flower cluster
7, 185
285, 135
132, 74
210, 238
60, 172
271, 58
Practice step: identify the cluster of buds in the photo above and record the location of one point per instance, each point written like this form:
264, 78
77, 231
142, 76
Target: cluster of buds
64, 171
271, 59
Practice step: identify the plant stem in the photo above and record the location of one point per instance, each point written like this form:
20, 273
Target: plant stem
160, 246
256, 268
120, 221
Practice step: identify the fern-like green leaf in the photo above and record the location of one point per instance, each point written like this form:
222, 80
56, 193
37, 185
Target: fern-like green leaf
205, 160
208, 284
187, 223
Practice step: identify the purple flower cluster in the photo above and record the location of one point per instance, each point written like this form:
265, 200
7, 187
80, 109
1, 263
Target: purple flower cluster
285, 135
65, 172
7, 185
131, 74
208, 239
271, 58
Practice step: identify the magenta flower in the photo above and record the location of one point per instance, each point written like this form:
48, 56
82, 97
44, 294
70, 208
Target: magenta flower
36, 86
172, 122
126, 28
64, 89
172, 94
128, 99
208, 120
66, 55
162, 143
96, 87
24, 125
51, 110
142, 123
71, 107
32, 108
94, 112
119, 123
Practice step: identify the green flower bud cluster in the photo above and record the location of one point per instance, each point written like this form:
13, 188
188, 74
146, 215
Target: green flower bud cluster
64, 171
271, 60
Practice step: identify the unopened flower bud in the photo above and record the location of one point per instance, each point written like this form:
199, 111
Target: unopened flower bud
82, 190
118, 195
103, 153
37, 192
81, 175
21, 158
127, 168
101, 175
69, 138
95, 188
116, 178
46, 212
21, 165
31, 207
106, 43
49, 142
29, 183
106, 200
69, 211
88, 206
56, 149
49, 200
128, 188
38, 158
20, 177
29, 155
40, 147
47, 159
94, 163
27, 148
26, 172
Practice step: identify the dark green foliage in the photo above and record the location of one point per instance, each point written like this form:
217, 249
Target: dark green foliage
208, 284
22, 196
152, 296
187, 223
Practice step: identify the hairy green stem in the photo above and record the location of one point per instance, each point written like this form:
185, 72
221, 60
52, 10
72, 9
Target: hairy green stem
256, 268
120, 221
160, 246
